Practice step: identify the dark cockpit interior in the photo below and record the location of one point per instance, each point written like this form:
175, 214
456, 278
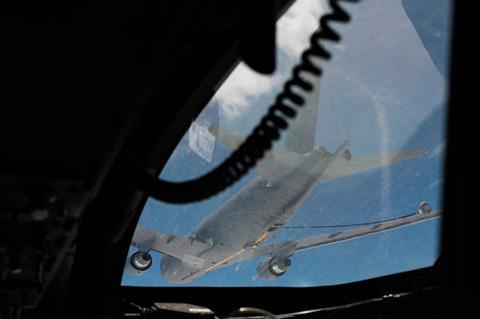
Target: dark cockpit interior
95, 98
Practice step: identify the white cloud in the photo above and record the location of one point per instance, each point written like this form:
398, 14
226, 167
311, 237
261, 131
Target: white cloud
242, 89
295, 27
244, 86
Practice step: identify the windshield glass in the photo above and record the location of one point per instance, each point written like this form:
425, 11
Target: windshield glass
351, 191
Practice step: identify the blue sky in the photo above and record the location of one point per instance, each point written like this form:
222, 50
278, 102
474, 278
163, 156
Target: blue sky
383, 91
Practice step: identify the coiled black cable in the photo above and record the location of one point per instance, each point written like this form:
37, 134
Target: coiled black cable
260, 141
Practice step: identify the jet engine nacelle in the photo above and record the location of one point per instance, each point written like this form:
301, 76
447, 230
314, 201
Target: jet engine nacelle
424, 208
138, 263
271, 269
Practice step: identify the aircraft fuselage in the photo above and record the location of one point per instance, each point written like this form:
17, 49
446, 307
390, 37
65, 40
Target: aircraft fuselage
250, 216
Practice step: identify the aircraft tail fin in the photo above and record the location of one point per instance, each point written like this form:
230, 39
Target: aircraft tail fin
274, 162
300, 135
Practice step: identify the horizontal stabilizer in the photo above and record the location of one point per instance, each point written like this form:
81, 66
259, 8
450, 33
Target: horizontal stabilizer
344, 167
230, 140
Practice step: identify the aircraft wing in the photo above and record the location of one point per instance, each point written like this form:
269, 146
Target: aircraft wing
175, 246
290, 247
344, 167
326, 239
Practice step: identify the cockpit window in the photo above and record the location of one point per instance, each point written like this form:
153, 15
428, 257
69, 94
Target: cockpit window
352, 190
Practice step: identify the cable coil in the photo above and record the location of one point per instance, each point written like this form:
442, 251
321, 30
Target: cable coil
264, 134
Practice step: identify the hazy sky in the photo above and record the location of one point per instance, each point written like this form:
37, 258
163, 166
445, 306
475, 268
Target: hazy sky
382, 91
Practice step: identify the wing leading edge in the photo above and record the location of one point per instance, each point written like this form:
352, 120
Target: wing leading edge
326, 239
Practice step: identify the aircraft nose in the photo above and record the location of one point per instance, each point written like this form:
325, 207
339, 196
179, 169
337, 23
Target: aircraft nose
174, 271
